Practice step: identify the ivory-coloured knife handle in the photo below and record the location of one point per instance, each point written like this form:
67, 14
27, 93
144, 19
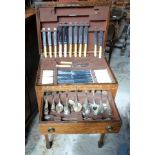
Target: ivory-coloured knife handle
63, 66
60, 50
65, 50
55, 51
75, 50
66, 62
100, 51
50, 51
95, 50
45, 52
80, 50
70, 50
85, 50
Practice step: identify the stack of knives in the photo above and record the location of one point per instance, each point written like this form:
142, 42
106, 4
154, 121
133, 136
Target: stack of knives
69, 40
74, 76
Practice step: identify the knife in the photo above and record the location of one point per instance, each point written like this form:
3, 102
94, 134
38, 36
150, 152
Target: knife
95, 43
55, 42
80, 40
65, 40
70, 39
72, 65
60, 40
100, 44
61, 81
49, 42
85, 40
74, 71
75, 40
76, 76
44, 42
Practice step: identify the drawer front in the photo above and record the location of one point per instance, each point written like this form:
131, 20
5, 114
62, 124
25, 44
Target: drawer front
80, 128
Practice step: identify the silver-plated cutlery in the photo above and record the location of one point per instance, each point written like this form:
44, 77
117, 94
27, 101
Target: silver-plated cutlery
92, 105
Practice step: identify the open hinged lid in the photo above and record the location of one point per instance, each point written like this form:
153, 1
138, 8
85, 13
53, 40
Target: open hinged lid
96, 72
94, 14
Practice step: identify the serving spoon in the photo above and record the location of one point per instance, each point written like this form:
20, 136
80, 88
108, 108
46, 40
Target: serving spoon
59, 106
86, 107
66, 107
94, 106
77, 106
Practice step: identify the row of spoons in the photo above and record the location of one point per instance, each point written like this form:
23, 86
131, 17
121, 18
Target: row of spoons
76, 106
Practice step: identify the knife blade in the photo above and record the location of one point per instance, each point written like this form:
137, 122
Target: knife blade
75, 40
101, 44
74, 71
95, 43
65, 40
72, 65
74, 81
55, 42
44, 42
80, 40
60, 40
70, 39
49, 42
85, 40
76, 76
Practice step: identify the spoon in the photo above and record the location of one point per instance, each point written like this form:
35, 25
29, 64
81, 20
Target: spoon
46, 107
59, 106
53, 104
94, 106
66, 107
101, 107
107, 107
86, 107
77, 106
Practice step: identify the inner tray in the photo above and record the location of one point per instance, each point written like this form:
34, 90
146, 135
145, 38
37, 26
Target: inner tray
109, 112
88, 64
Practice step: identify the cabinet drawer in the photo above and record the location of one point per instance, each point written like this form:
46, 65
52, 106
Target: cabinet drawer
109, 123
80, 127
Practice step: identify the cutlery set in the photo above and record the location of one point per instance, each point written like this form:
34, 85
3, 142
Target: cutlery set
62, 107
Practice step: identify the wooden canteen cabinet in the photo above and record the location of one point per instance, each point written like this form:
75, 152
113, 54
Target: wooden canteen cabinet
95, 15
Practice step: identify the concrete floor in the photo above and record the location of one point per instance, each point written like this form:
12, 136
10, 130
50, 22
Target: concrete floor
115, 144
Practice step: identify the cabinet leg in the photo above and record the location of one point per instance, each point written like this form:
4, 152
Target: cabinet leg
101, 141
48, 142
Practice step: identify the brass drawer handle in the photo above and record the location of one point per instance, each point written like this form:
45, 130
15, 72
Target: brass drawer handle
50, 130
109, 128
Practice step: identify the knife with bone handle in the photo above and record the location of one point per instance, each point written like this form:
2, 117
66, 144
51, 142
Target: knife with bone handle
63, 65
65, 40
60, 40
55, 42
49, 42
95, 43
44, 42
85, 40
101, 44
80, 40
75, 40
70, 39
